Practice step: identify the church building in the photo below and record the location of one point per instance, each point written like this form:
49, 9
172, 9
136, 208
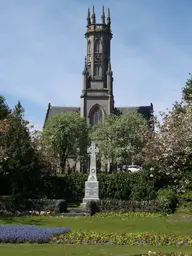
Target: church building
97, 98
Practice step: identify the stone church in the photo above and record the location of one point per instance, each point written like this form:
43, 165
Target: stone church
97, 98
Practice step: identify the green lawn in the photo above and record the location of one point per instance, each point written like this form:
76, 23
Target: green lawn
176, 224
80, 250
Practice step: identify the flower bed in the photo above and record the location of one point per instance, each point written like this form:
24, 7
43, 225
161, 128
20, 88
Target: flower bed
133, 239
167, 254
126, 214
25, 213
28, 233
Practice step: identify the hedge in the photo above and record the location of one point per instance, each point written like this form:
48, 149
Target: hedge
116, 206
120, 186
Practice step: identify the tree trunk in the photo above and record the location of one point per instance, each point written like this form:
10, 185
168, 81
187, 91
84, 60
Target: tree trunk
62, 164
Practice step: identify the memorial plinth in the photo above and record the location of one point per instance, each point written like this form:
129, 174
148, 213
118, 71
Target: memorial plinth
92, 184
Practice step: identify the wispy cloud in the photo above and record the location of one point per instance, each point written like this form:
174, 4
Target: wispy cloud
42, 51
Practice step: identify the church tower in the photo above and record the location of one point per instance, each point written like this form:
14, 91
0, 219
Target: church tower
97, 93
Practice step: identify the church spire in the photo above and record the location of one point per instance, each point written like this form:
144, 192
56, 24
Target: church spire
103, 16
93, 16
109, 18
88, 18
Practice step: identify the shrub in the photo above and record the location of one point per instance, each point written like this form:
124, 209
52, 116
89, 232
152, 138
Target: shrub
185, 198
60, 206
167, 200
185, 202
119, 186
92, 207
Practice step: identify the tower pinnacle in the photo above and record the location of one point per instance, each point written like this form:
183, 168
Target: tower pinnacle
109, 66
103, 16
93, 16
109, 18
88, 18
85, 66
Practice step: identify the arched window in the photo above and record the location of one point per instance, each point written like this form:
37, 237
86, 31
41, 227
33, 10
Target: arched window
96, 115
97, 70
97, 45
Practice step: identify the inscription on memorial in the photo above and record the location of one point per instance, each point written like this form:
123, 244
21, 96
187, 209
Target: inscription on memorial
91, 189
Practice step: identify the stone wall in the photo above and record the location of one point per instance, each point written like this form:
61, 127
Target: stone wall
55, 206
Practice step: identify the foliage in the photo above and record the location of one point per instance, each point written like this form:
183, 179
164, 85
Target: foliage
187, 90
65, 136
4, 109
70, 187
22, 163
185, 202
61, 206
92, 207
117, 112
20, 159
120, 186
186, 197
120, 137
131, 239
127, 186
169, 149
167, 200
28, 233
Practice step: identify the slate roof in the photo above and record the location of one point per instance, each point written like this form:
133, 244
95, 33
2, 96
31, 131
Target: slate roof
53, 110
146, 111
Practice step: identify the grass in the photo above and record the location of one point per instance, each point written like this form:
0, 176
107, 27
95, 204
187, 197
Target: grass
137, 224
80, 250
176, 224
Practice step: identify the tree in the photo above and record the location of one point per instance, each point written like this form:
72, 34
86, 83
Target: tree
22, 163
4, 109
120, 137
4, 129
65, 136
187, 90
170, 147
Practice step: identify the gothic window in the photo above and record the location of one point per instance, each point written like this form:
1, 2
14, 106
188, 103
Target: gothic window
97, 45
96, 115
97, 70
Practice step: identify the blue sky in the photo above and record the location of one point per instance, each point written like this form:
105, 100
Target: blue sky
42, 51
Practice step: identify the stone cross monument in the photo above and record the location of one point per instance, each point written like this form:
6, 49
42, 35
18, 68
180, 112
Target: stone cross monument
92, 185
93, 150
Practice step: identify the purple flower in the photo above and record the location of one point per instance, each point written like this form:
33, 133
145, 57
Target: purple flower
28, 233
